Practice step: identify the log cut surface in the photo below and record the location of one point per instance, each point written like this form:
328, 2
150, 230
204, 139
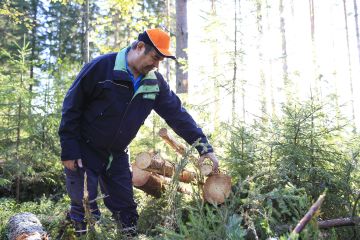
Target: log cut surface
139, 176
154, 163
25, 226
217, 188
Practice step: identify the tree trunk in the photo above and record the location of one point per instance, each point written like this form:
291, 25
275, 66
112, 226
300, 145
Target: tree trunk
286, 80
86, 56
263, 100
350, 68
272, 99
233, 92
357, 28
181, 45
316, 76
34, 6
167, 61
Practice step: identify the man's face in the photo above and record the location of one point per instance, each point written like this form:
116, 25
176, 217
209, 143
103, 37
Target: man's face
147, 62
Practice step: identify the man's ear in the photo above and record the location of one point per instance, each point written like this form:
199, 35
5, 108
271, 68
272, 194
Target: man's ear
140, 45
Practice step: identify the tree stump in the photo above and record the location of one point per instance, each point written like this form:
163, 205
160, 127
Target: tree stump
25, 226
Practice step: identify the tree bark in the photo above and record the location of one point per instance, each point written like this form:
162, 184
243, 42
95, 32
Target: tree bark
233, 93
259, 23
357, 28
86, 56
151, 183
25, 226
181, 45
350, 68
148, 182
339, 222
286, 81
270, 62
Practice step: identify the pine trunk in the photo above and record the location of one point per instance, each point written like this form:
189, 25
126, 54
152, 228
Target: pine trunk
181, 45
86, 56
350, 68
286, 81
233, 90
263, 100
357, 28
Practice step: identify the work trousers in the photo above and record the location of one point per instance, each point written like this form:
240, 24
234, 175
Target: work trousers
115, 183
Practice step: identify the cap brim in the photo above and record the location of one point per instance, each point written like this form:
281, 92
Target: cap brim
165, 53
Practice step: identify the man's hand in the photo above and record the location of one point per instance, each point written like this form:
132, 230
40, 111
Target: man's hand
72, 164
213, 158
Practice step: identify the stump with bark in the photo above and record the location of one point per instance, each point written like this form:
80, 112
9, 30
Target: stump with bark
25, 226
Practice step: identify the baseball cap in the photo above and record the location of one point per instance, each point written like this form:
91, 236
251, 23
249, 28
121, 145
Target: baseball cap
159, 39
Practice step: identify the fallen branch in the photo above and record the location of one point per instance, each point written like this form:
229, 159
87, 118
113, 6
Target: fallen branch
308, 216
339, 222
326, 224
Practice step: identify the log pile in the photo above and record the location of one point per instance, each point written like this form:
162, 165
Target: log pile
25, 226
151, 174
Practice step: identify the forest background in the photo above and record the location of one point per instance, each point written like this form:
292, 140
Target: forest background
272, 83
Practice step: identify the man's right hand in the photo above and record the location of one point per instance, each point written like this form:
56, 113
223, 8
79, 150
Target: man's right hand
72, 164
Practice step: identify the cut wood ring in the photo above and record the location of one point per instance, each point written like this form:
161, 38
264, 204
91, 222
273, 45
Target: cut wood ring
217, 188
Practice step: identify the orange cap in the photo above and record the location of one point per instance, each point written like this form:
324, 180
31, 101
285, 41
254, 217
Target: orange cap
159, 39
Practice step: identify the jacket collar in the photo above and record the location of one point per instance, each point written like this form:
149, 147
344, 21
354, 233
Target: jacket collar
120, 72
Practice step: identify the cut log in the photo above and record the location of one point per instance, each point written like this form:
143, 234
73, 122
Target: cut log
154, 163
180, 148
26, 226
217, 188
151, 183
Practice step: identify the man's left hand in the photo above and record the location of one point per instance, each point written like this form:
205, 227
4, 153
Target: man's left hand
213, 158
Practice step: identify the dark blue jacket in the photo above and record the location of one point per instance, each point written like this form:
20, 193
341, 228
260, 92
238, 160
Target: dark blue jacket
102, 109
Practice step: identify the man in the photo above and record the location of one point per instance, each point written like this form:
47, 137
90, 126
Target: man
102, 112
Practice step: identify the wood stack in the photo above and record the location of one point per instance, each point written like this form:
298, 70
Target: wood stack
151, 174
